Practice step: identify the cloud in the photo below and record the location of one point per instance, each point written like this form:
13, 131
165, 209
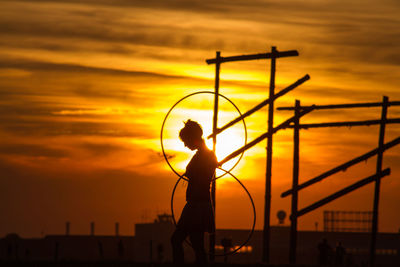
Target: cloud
31, 65
54, 80
102, 149
32, 150
71, 74
121, 26
101, 25
34, 198
31, 128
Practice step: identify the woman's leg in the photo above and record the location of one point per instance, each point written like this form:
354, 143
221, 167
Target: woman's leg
197, 240
177, 239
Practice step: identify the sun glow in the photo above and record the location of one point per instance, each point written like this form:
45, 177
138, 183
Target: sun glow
226, 144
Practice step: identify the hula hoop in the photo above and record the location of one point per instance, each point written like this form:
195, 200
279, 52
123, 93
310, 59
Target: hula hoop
252, 204
170, 110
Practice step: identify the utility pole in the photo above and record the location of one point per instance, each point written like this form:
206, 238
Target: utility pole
268, 175
378, 179
215, 124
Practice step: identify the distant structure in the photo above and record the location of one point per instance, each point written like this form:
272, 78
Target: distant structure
151, 244
348, 221
281, 216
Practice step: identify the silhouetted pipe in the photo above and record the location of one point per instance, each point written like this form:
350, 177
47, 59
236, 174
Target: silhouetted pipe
268, 166
345, 123
295, 182
290, 53
261, 105
342, 192
116, 229
215, 125
343, 166
378, 181
92, 228
339, 106
283, 125
67, 226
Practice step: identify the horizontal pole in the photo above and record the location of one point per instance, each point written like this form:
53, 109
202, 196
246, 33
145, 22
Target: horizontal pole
343, 192
261, 105
290, 53
283, 125
339, 106
343, 166
345, 123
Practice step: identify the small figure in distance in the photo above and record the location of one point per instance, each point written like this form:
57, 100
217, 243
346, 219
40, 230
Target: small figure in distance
197, 215
339, 255
324, 252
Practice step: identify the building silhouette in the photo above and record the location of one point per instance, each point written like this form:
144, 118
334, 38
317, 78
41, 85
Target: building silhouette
151, 243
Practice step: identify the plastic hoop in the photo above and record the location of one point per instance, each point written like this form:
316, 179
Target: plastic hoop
170, 110
252, 204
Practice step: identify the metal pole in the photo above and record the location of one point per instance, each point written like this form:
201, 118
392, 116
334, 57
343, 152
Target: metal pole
67, 227
261, 105
293, 217
343, 192
92, 228
267, 208
343, 167
378, 180
281, 126
345, 123
215, 121
290, 53
345, 106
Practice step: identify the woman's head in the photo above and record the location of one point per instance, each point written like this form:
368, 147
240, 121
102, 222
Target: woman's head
191, 134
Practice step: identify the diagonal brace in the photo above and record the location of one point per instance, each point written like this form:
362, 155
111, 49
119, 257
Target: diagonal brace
344, 106
343, 166
346, 123
343, 192
290, 53
283, 125
261, 105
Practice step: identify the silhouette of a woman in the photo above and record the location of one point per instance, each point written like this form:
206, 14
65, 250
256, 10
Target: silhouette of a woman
197, 215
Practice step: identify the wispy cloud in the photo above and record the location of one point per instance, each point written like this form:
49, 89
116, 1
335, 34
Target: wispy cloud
85, 85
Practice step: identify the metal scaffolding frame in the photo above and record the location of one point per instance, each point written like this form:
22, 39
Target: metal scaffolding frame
347, 221
273, 56
380, 173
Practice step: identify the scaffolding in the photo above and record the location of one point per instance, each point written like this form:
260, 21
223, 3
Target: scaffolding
348, 221
374, 178
294, 123
273, 56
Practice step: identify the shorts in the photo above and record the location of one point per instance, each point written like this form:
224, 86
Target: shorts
197, 217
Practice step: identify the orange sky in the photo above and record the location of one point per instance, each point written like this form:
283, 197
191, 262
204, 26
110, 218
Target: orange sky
86, 84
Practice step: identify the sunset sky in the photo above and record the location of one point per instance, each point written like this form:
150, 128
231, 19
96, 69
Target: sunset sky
85, 86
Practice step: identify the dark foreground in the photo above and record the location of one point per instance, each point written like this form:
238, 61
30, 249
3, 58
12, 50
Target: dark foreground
138, 264
124, 264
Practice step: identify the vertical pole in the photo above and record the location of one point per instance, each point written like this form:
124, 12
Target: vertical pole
92, 228
67, 227
378, 180
117, 229
215, 120
267, 207
293, 216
